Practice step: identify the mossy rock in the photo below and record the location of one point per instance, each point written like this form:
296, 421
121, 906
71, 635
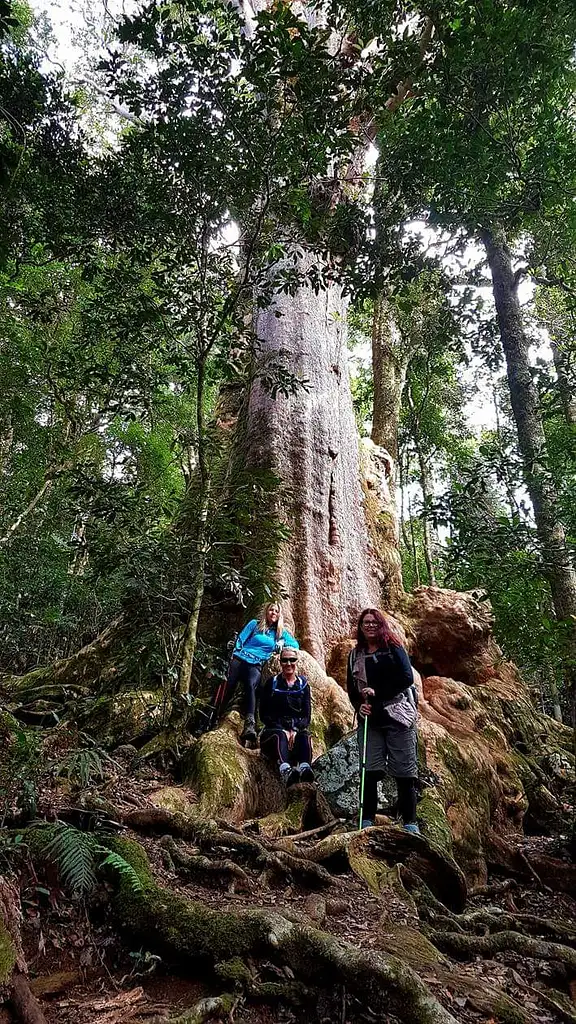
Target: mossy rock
125, 717
175, 800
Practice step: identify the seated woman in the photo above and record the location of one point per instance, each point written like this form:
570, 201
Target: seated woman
285, 709
381, 688
255, 644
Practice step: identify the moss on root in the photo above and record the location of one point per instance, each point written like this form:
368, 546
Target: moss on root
218, 770
7, 955
435, 824
194, 933
282, 823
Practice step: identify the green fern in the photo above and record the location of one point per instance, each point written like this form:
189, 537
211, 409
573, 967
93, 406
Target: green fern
118, 864
77, 856
84, 766
74, 854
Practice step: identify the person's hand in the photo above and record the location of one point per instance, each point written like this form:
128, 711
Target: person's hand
367, 692
290, 735
365, 709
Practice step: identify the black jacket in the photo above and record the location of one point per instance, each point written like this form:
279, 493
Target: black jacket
284, 707
388, 673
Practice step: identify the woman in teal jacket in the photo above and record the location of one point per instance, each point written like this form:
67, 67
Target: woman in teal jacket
255, 644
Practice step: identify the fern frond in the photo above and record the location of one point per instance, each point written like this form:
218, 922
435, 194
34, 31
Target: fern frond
117, 863
82, 766
74, 853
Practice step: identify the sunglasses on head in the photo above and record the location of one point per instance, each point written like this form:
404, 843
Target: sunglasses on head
288, 661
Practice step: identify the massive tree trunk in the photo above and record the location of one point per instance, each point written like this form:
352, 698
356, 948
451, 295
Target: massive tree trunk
532, 442
328, 566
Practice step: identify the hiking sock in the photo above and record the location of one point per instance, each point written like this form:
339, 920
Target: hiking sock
407, 799
370, 802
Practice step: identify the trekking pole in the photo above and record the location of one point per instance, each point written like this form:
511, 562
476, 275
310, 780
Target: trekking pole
363, 771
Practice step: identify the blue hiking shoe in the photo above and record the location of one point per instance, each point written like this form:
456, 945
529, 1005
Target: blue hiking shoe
306, 773
367, 823
413, 827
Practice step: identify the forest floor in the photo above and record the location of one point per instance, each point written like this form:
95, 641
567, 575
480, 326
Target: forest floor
84, 973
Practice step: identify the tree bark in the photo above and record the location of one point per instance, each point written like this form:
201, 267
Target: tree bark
558, 565
389, 367
309, 439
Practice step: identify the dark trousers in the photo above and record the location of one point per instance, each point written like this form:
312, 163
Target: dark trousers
248, 675
406, 797
274, 745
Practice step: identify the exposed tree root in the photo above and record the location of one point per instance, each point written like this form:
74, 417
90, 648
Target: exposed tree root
211, 1008
288, 842
189, 931
194, 864
497, 920
545, 871
23, 1002
557, 1005
373, 853
210, 838
468, 946
14, 985
424, 957
494, 888
435, 867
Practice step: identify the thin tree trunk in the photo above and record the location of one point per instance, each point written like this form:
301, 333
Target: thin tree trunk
201, 539
553, 688
566, 387
191, 632
414, 548
558, 566
403, 531
427, 495
389, 373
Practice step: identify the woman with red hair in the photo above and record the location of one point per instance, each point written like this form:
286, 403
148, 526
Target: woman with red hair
381, 688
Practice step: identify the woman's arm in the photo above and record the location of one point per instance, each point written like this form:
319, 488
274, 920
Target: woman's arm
403, 664
246, 632
289, 640
304, 721
353, 691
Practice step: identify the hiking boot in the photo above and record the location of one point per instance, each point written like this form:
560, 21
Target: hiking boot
249, 737
413, 827
293, 777
367, 823
306, 773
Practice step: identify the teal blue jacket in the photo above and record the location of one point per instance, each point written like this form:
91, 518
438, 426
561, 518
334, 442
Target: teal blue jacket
255, 647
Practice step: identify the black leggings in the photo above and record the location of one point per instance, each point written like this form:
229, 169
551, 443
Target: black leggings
406, 797
274, 744
241, 671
